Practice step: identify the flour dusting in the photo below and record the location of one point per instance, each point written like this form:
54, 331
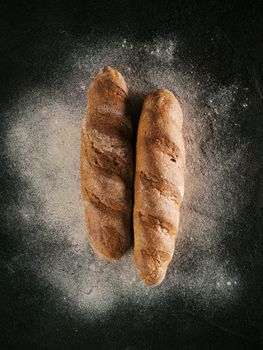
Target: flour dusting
43, 147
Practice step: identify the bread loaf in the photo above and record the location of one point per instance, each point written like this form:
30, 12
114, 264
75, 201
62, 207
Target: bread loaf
106, 165
159, 185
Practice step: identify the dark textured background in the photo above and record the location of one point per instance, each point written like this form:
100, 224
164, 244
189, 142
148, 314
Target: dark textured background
29, 312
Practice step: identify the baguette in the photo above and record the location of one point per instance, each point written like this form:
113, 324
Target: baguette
106, 165
159, 185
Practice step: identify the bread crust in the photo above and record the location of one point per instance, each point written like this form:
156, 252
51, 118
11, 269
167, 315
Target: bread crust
106, 165
159, 185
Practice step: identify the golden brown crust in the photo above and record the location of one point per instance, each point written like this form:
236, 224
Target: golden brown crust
159, 185
106, 165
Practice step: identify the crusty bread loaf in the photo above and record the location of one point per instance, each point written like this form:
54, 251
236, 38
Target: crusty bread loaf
106, 165
159, 185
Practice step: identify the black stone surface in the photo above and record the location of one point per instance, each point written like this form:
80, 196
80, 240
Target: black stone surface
30, 312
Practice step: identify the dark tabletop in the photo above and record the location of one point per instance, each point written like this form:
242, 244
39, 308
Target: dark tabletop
220, 44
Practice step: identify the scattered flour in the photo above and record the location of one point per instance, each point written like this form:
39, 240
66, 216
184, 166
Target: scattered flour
43, 147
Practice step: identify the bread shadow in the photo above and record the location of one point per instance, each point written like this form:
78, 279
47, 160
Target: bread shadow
134, 108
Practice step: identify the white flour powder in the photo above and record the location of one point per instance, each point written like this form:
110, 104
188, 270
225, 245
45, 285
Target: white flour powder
43, 147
